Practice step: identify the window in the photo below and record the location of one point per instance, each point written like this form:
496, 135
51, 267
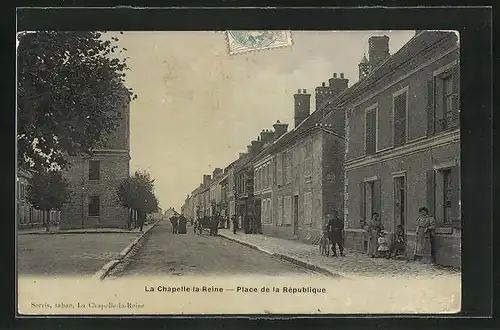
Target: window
308, 158
447, 100
94, 170
279, 169
287, 210
447, 191
288, 167
370, 192
399, 109
443, 195
308, 208
371, 131
94, 206
443, 107
280, 210
267, 176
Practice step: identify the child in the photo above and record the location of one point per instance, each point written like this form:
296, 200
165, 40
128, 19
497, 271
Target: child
398, 245
383, 245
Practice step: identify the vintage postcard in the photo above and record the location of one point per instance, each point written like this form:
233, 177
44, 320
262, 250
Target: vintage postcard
238, 172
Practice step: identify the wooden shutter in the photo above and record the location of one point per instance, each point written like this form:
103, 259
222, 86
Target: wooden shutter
377, 196
455, 196
455, 114
362, 219
431, 115
370, 133
400, 119
431, 192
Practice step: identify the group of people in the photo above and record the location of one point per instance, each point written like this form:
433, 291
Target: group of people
378, 243
213, 223
179, 223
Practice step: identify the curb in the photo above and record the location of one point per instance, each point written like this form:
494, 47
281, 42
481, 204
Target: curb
76, 232
104, 271
290, 259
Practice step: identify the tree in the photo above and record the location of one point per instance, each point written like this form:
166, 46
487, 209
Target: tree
48, 190
69, 94
137, 193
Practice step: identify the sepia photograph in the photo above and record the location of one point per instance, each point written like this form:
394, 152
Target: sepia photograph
238, 172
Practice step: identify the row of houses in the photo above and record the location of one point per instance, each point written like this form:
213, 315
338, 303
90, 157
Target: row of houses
389, 144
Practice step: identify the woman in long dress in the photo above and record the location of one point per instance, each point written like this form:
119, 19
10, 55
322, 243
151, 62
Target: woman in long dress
425, 227
373, 228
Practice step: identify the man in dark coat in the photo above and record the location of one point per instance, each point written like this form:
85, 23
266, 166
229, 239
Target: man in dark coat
235, 223
174, 221
336, 228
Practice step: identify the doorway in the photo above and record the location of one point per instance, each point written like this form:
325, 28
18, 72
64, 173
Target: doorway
296, 215
257, 216
399, 202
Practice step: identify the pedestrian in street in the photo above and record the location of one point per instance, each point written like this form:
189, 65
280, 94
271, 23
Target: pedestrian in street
373, 228
181, 229
383, 245
227, 222
336, 230
235, 223
174, 222
424, 233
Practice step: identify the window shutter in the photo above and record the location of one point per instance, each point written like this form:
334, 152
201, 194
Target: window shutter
431, 116
377, 195
370, 133
431, 192
455, 115
400, 119
455, 196
362, 219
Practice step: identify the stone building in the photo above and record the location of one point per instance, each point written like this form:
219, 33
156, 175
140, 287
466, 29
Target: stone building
299, 177
403, 148
93, 182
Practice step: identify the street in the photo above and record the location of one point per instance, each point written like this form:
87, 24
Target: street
163, 253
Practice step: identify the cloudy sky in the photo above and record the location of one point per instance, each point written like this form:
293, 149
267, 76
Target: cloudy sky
198, 106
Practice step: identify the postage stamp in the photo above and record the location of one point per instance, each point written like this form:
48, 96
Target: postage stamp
245, 41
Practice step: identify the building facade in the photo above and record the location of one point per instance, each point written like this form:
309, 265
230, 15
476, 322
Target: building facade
299, 177
94, 180
403, 149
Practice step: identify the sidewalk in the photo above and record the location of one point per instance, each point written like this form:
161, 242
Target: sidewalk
57, 230
73, 252
354, 264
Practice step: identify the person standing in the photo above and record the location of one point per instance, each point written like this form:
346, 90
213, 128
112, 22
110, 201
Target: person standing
336, 231
425, 227
373, 228
235, 223
174, 222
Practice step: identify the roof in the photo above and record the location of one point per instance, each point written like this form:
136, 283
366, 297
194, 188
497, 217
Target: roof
417, 45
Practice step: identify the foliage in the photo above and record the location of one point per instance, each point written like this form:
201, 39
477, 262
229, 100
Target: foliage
48, 190
69, 95
137, 192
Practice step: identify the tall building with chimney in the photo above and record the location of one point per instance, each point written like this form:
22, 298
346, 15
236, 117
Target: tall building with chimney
403, 150
298, 178
93, 182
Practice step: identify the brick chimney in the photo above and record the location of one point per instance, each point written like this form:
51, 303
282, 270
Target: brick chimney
206, 178
322, 93
216, 172
337, 84
378, 50
279, 129
302, 106
266, 136
257, 145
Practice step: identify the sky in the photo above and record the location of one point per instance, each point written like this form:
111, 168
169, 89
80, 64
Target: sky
198, 106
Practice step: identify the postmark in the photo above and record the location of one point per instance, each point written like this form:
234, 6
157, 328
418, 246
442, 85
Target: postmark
247, 41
